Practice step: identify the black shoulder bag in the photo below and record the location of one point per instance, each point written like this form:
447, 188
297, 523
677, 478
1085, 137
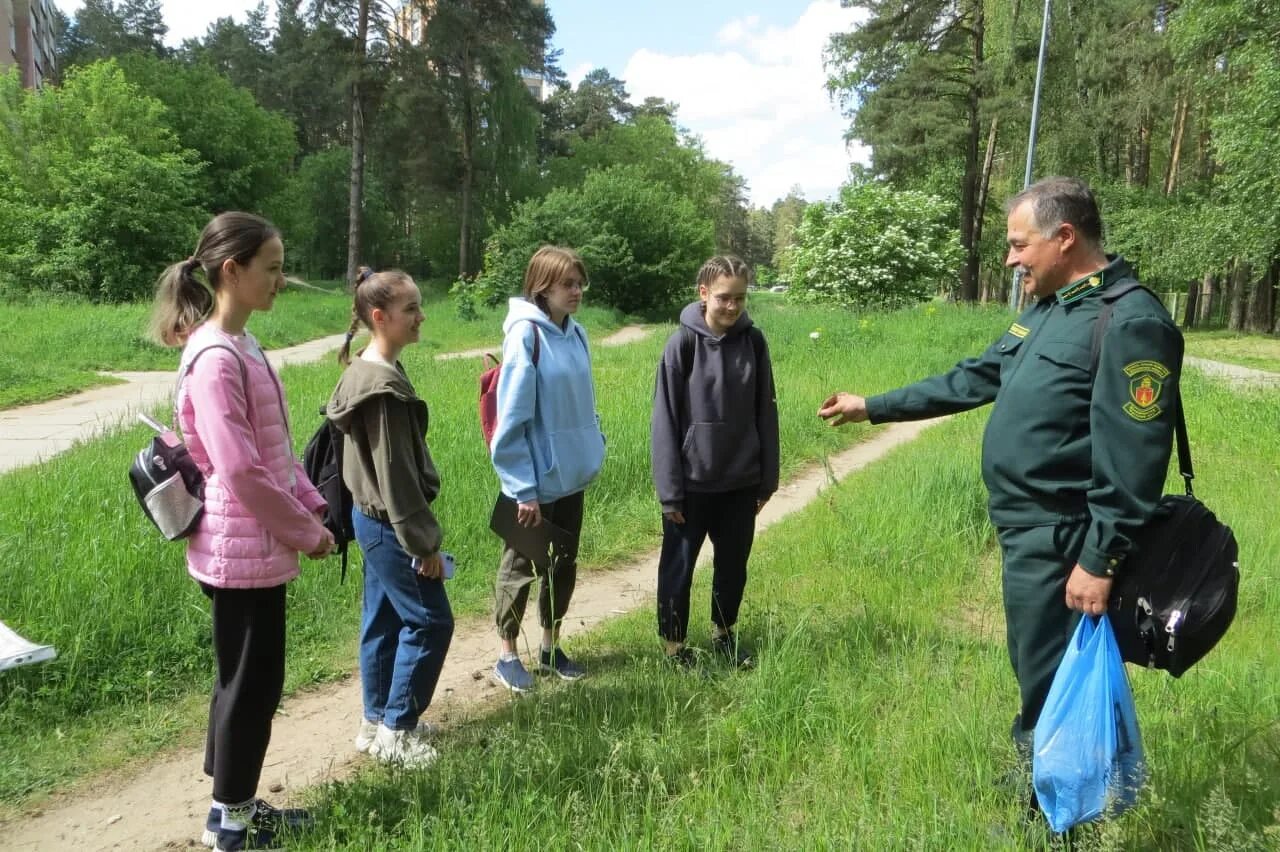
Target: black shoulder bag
1177, 594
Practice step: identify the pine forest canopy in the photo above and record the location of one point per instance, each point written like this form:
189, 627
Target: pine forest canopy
1165, 107
440, 149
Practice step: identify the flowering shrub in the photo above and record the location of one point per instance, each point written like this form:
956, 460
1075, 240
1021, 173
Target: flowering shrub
873, 248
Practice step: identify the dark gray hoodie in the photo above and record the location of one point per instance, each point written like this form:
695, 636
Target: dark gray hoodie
715, 414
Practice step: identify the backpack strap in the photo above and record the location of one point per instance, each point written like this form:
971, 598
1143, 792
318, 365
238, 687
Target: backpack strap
185, 369
537, 341
688, 341
1180, 421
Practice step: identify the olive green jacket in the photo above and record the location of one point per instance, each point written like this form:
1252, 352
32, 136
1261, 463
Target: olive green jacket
386, 462
1064, 443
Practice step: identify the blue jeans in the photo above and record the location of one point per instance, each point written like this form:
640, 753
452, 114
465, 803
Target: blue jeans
405, 629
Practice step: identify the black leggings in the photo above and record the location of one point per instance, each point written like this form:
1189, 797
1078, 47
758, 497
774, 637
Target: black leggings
248, 642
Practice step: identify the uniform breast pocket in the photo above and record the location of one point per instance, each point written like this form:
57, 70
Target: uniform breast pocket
1066, 369
1066, 354
1008, 347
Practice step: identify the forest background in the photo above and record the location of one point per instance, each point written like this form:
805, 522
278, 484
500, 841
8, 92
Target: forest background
451, 168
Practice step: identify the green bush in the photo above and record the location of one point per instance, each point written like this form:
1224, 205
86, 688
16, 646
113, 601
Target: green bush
873, 248
641, 242
100, 195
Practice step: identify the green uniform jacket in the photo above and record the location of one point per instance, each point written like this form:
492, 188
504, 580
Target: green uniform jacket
1063, 444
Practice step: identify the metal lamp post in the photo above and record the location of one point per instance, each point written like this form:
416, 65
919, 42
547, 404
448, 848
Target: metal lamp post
1016, 290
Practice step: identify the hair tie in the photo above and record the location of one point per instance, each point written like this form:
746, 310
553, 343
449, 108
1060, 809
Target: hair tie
363, 275
350, 334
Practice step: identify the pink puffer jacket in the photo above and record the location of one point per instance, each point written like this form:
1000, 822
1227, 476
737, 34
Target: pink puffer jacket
259, 505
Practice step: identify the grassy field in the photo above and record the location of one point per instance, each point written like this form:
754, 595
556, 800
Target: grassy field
1261, 352
879, 713
83, 571
877, 718
53, 349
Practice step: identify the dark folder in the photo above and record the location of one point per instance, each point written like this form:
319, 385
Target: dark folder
537, 544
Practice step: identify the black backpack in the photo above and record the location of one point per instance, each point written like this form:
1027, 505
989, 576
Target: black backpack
165, 479
322, 460
1177, 595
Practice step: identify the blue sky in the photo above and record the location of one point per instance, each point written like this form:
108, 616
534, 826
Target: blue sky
747, 76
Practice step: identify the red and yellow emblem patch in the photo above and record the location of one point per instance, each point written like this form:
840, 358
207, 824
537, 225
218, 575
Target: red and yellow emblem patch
1146, 381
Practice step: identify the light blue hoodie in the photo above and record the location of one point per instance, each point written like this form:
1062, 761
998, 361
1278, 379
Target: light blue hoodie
547, 443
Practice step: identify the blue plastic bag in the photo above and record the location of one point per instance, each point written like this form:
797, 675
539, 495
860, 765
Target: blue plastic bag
1088, 758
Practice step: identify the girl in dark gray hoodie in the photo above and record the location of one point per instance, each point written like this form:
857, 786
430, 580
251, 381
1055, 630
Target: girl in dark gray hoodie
714, 452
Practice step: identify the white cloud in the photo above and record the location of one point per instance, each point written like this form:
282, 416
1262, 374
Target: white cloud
580, 71
760, 102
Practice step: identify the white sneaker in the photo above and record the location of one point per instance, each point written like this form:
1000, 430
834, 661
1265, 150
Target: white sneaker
368, 730
406, 748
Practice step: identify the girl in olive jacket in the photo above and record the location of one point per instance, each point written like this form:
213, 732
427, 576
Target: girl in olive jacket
406, 624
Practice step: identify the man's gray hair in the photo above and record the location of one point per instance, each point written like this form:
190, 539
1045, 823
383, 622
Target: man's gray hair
1061, 200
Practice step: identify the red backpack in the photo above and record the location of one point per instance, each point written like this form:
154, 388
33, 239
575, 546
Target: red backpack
489, 387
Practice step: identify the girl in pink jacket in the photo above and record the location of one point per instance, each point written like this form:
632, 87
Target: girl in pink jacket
260, 508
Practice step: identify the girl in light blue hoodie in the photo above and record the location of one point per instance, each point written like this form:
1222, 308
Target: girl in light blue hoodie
547, 447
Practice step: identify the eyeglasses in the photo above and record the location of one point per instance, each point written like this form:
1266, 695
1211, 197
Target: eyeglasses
575, 284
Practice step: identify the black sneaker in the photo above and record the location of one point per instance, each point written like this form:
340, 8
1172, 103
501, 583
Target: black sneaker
685, 659
728, 648
281, 819
264, 829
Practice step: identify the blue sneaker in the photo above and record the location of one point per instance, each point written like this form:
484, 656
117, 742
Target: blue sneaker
267, 822
513, 675
555, 662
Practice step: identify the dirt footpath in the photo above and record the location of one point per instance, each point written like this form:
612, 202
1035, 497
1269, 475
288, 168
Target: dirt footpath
163, 805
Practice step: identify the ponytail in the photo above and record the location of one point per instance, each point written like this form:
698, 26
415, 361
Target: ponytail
182, 303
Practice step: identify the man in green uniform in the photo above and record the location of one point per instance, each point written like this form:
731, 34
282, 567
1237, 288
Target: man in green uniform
1075, 452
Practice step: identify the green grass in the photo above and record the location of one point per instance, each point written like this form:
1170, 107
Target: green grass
879, 713
84, 571
1258, 351
52, 349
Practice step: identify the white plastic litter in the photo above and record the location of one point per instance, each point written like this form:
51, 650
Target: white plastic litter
16, 651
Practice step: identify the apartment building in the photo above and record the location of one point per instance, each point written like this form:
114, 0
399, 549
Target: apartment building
27, 39
411, 20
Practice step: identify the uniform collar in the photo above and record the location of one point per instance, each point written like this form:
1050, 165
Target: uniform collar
1115, 269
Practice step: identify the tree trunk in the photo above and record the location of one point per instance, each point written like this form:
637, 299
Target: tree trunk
1275, 282
969, 191
468, 166
1142, 167
984, 187
355, 201
1193, 297
1239, 295
1261, 302
1175, 142
1208, 294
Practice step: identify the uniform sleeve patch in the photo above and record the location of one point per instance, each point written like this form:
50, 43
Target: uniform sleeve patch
1146, 381
1019, 330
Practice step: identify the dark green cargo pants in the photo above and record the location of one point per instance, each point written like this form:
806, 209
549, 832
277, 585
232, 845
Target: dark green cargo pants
1037, 562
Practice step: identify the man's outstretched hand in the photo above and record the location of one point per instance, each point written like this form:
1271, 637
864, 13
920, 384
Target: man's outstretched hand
841, 408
